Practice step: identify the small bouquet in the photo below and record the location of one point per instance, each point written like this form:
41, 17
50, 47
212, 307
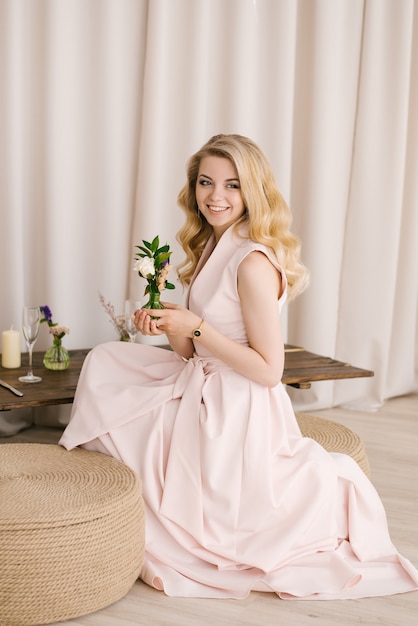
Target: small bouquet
57, 331
152, 263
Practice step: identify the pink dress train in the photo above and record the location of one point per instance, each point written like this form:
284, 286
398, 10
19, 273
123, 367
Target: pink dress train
236, 499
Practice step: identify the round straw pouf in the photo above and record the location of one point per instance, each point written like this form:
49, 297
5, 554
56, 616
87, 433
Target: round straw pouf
71, 532
334, 437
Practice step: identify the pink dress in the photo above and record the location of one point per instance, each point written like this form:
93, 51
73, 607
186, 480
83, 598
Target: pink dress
236, 499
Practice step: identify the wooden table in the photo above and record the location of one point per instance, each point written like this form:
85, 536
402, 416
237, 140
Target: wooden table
301, 368
55, 387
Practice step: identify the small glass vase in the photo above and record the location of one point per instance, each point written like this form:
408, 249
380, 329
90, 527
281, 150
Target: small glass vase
56, 357
153, 302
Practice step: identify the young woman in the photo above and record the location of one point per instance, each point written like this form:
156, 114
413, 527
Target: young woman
236, 499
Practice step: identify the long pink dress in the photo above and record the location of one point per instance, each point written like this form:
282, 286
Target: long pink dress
236, 499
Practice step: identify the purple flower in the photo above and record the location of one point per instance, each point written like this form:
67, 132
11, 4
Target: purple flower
57, 331
46, 312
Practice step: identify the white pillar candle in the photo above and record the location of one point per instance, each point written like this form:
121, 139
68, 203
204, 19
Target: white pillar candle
10, 349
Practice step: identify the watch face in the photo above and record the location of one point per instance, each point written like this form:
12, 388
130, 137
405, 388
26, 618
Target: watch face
196, 333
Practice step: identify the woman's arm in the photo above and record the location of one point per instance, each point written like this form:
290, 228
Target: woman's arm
182, 345
259, 286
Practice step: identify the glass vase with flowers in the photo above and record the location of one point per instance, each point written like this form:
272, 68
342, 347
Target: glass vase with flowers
57, 356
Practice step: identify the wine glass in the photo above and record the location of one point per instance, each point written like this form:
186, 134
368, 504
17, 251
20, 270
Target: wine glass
30, 327
131, 329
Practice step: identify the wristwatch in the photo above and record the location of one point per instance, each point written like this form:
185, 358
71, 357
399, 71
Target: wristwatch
198, 331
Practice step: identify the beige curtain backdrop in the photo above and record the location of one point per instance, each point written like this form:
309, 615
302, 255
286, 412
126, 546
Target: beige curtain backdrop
103, 101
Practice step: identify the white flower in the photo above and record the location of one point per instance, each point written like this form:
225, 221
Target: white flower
145, 266
59, 330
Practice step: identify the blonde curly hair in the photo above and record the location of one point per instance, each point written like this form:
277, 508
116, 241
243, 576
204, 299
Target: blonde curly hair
267, 214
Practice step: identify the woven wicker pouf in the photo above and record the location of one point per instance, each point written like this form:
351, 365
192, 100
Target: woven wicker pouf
71, 532
334, 437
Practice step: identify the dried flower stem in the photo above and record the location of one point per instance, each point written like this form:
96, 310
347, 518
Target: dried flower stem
118, 321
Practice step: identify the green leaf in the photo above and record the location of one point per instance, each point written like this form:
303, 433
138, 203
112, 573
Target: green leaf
155, 243
161, 258
147, 244
165, 248
169, 285
147, 252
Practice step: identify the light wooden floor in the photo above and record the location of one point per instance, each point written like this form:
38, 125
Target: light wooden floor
391, 438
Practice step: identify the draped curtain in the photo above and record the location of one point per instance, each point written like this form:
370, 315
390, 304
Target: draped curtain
103, 101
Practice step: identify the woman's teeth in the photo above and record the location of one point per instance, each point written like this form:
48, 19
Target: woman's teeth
218, 209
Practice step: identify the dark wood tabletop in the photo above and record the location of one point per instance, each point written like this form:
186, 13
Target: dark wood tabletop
301, 369
55, 387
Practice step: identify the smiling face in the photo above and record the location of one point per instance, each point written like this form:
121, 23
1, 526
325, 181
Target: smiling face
218, 193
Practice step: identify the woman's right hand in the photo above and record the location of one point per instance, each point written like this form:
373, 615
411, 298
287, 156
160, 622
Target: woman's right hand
173, 320
145, 323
